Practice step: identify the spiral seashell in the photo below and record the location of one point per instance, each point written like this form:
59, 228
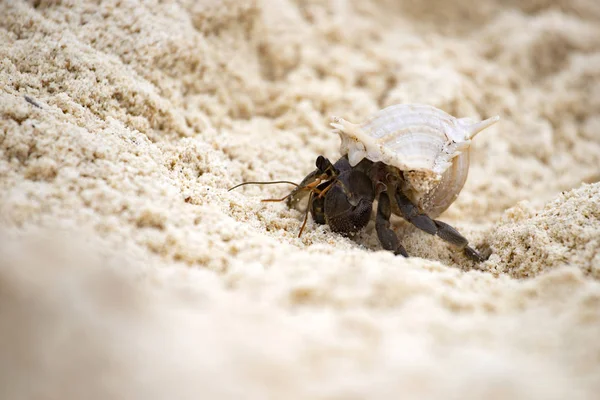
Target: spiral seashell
430, 146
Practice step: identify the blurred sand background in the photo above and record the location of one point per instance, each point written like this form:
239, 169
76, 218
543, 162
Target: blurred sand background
128, 271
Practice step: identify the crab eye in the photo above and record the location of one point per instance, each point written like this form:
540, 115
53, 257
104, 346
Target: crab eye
321, 164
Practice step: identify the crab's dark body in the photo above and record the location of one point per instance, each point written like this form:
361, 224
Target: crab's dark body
344, 197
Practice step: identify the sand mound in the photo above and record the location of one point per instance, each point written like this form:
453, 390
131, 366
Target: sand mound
128, 270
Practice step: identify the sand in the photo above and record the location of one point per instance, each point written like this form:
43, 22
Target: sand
127, 270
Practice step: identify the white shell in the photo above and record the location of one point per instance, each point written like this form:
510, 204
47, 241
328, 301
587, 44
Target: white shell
410, 137
420, 140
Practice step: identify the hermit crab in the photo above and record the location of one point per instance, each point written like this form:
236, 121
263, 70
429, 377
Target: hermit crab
412, 158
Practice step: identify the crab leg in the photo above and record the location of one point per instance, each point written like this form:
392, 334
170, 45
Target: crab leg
387, 237
411, 213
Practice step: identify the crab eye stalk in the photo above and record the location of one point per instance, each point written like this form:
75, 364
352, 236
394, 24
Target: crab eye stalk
325, 167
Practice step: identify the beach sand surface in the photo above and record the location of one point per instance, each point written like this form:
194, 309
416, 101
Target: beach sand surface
127, 270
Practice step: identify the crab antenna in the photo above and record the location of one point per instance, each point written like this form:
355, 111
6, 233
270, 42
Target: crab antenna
262, 183
477, 127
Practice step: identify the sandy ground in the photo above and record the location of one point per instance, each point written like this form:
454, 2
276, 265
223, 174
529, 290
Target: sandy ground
128, 271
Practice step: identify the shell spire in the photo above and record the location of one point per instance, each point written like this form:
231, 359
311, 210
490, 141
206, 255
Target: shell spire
477, 127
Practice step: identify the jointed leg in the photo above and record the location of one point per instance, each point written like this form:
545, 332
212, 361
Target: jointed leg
387, 237
434, 227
